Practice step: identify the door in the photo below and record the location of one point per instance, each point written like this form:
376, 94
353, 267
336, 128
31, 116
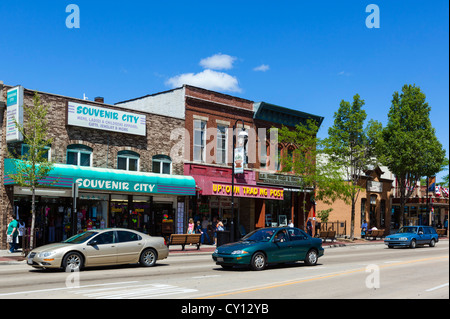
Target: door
101, 250
300, 243
129, 246
422, 237
281, 248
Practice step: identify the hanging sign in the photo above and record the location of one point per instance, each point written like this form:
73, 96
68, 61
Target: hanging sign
14, 113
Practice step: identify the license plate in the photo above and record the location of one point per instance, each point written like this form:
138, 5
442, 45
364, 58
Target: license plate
219, 259
30, 261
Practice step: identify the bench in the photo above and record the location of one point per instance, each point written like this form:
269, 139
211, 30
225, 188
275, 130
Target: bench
441, 232
375, 234
184, 239
328, 234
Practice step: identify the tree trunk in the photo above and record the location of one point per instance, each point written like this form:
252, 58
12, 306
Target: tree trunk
33, 220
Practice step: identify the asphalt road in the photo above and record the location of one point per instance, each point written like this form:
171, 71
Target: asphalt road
352, 272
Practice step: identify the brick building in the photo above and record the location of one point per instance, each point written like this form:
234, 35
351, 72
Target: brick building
119, 158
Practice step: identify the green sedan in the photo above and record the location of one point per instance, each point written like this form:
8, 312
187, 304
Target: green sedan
270, 246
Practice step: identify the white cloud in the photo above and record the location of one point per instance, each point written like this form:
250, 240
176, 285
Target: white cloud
262, 68
208, 79
218, 62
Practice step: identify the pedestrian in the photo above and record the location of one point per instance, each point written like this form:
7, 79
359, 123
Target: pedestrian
205, 224
11, 233
219, 227
309, 227
446, 224
191, 225
291, 224
363, 229
198, 228
21, 231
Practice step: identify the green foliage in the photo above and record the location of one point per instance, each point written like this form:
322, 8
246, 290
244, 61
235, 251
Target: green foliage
408, 145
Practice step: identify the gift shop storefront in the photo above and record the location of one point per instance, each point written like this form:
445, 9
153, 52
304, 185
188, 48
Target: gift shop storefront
214, 190
147, 202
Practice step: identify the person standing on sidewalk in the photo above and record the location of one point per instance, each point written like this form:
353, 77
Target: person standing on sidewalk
12, 232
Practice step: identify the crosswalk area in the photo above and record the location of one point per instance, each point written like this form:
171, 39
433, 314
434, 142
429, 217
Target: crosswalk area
133, 291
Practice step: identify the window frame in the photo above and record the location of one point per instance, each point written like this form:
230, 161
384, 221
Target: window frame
162, 159
129, 155
202, 145
79, 149
222, 136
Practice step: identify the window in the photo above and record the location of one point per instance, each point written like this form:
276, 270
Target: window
221, 157
45, 154
128, 160
161, 164
79, 155
297, 234
105, 238
199, 141
126, 236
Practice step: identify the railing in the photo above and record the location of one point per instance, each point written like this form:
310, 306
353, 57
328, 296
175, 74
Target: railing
339, 226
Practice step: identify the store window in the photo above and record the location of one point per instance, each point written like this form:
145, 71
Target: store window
128, 160
199, 141
161, 164
45, 153
221, 157
80, 155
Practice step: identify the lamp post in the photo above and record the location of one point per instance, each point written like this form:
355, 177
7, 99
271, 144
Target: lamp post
242, 139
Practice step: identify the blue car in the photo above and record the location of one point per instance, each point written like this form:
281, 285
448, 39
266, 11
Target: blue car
411, 236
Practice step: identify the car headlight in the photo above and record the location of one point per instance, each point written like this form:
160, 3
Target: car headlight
216, 251
403, 238
239, 252
46, 254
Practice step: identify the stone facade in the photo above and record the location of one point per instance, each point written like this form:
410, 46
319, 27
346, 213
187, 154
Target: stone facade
105, 144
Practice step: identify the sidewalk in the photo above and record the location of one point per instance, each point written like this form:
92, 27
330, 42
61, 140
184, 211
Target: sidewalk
16, 257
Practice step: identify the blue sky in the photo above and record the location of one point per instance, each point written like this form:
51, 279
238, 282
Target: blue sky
305, 55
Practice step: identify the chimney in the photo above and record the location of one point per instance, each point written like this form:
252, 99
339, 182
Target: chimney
99, 99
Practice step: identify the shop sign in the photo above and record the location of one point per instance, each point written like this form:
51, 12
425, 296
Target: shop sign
280, 179
248, 191
105, 119
101, 184
375, 187
14, 113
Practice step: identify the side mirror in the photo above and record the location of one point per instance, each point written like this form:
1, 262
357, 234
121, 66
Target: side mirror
92, 243
277, 240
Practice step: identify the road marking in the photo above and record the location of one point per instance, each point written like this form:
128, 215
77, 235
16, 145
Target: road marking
438, 287
332, 275
201, 277
63, 288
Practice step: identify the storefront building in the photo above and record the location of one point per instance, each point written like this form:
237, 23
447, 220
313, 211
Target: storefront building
118, 159
209, 120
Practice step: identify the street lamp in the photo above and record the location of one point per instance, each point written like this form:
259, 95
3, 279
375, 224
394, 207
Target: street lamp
238, 160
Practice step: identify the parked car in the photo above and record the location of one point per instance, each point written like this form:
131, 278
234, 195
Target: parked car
99, 248
411, 236
268, 246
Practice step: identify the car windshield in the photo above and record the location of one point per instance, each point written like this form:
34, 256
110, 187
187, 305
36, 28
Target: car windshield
259, 235
80, 238
407, 230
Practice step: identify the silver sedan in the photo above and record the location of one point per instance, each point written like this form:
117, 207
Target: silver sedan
100, 247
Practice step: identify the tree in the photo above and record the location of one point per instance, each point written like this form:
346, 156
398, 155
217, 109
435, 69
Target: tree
408, 145
33, 166
303, 160
352, 147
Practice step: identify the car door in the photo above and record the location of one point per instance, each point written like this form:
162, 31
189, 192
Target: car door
301, 243
101, 249
281, 247
421, 237
129, 246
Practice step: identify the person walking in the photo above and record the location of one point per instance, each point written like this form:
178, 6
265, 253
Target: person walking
205, 224
191, 226
11, 233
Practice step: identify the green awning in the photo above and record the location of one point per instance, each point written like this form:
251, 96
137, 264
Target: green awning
90, 178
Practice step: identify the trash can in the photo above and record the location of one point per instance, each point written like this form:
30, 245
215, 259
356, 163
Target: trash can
223, 237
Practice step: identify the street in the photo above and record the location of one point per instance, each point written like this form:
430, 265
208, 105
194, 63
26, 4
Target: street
369, 271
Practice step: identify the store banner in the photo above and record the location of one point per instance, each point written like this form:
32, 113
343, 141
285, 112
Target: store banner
249, 191
239, 155
14, 113
100, 118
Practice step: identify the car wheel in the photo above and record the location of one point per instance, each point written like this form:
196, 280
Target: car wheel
73, 261
258, 261
311, 258
148, 258
432, 243
413, 244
